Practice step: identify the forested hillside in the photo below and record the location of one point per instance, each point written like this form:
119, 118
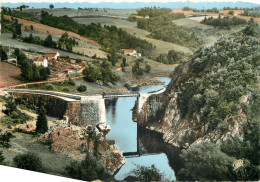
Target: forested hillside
223, 83
110, 37
161, 27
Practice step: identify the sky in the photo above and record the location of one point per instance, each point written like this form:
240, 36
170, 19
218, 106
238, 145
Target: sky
134, 4
118, 1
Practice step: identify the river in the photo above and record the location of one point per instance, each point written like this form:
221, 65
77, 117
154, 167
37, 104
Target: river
124, 132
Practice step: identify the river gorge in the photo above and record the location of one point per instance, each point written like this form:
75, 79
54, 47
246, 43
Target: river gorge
146, 147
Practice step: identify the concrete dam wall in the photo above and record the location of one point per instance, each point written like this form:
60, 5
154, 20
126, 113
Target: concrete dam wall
82, 112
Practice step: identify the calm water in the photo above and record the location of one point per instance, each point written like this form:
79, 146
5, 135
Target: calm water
124, 132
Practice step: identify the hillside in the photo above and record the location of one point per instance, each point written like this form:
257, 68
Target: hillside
213, 99
45, 29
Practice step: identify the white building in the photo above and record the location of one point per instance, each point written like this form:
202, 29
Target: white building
40, 61
131, 52
52, 54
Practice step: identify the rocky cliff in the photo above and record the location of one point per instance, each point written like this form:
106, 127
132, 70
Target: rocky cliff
209, 97
161, 113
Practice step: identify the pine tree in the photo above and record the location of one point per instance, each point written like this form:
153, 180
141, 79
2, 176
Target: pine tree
42, 123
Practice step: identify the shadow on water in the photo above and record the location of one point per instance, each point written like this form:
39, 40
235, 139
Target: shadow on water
151, 142
141, 147
111, 107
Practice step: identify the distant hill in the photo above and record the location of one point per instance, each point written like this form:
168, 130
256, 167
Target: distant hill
136, 5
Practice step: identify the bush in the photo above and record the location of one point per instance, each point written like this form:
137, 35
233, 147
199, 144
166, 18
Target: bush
28, 161
49, 86
205, 162
87, 170
71, 82
82, 88
147, 174
66, 89
5, 139
2, 158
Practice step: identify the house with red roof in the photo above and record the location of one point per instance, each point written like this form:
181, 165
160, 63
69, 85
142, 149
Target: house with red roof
52, 55
40, 61
131, 52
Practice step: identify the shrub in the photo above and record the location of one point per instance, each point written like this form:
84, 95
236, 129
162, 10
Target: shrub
148, 174
86, 170
28, 161
66, 89
71, 82
49, 86
148, 68
2, 158
205, 161
82, 88
5, 139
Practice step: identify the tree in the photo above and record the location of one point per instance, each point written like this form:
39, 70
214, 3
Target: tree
10, 107
26, 70
48, 42
42, 123
3, 53
28, 161
36, 73
51, 6
43, 73
205, 161
18, 28
148, 68
82, 88
147, 174
5, 139
91, 73
124, 62
87, 170
2, 158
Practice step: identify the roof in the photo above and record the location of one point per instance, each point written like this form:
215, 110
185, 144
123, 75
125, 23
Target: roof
36, 58
51, 53
129, 50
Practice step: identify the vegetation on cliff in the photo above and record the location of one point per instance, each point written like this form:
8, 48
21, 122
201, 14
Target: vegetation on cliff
222, 82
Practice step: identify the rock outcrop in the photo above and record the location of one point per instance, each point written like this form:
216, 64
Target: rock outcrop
72, 139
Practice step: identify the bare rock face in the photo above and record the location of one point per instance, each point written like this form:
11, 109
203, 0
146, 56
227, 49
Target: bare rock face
64, 138
28, 127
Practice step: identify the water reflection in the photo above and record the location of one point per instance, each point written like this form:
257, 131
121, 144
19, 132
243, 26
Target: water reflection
124, 132
111, 108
